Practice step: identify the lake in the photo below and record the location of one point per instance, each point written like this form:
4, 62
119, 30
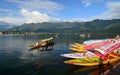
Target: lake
16, 59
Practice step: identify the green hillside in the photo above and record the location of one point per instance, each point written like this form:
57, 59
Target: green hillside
91, 26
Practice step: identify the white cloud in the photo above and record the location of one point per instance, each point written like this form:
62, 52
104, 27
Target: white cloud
113, 11
76, 20
87, 3
31, 11
34, 17
34, 12
5, 10
44, 6
12, 20
29, 17
7, 15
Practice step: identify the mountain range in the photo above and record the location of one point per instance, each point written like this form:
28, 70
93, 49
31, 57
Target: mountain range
5, 26
90, 26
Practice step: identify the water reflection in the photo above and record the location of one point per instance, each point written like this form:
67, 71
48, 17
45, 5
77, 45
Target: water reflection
91, 70
79, 69
41, 50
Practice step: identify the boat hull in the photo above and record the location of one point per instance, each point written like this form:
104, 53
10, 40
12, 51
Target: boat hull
93, 61
79, 55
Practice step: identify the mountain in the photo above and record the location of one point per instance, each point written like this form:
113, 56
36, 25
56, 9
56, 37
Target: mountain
91, 26
5, 26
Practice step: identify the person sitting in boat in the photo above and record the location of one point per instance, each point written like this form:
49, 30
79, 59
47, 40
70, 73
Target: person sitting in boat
37, 43
43, 43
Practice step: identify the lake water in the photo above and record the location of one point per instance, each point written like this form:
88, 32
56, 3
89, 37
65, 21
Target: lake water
16, 59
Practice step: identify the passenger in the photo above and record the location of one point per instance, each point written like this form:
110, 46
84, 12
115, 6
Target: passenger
37, 43
43, 43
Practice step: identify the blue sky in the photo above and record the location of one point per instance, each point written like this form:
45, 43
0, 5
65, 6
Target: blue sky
33, 11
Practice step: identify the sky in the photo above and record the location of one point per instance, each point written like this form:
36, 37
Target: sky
34, 11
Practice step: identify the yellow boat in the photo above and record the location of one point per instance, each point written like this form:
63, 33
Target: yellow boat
78, 47
93, 61
44, 43
78, 50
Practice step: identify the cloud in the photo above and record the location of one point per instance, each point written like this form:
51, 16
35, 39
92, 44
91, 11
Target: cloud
8, 16
87, 3
76, 20
6, 12
29, 17
12, 20
34, 11
29, 11
44, 6
113, 11
34, 17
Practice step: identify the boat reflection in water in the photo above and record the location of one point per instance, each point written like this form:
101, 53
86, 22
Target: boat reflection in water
81, 69
92, 70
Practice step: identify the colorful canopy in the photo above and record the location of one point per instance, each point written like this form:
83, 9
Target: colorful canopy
48, 39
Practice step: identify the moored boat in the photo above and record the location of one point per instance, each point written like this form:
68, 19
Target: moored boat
93, 61
104, 53
79, 55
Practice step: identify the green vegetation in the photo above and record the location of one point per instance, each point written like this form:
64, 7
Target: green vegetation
95, 26
13, 32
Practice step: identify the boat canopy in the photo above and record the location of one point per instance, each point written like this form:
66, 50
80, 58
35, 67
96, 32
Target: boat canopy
48, 39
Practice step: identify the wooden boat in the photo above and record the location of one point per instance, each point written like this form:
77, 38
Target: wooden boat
83, 48
103, 51
44, 43
93, 61
78, 47
79, 55
88, 42
34, 47
95, 70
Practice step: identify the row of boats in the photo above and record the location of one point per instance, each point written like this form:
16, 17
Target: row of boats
90, 53
94, 52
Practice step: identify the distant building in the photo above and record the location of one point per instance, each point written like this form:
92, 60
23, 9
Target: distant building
89, 35
82, 35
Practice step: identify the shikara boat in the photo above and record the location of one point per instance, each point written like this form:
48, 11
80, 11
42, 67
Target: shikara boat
83, 48
95, 70
103, 53
91, 44
79, 55
93, 61
78, 47
32, 47
44, 43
